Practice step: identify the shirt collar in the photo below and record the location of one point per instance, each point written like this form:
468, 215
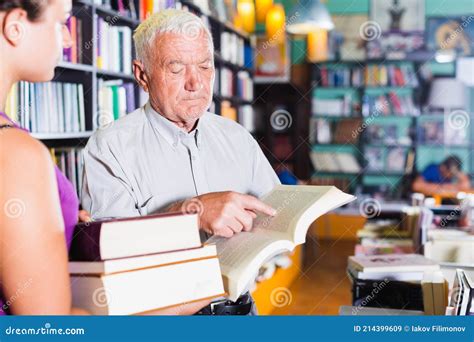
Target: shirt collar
170, 132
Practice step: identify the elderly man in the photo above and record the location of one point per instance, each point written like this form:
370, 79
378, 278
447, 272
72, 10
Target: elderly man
172, 152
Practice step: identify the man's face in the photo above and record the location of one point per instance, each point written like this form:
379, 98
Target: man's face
181, 76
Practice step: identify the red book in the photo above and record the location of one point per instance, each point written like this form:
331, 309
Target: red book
74, 39
128, 237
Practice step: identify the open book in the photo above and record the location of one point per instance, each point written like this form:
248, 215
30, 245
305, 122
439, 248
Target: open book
297, 207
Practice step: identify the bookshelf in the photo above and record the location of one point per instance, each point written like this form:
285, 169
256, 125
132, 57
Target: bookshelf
101, 67
389, 144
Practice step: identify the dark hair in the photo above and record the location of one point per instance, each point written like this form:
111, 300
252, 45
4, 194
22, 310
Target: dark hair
452, 161
33, 8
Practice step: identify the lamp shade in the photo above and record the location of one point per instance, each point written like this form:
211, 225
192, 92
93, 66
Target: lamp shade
308, 15
447, 93
262, 7
275, 24
246, 11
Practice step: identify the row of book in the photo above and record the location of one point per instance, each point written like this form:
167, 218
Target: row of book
328, 131
233, 49
74, 54
71, 162
136, 9
333, 107
371, 75
388, 134
231, 84
389, 104
47, 107
114, 47
389, 160
340, 162
115, 99
441, 132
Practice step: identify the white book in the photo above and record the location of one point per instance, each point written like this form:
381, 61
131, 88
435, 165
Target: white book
147, 289
144, 261
82, 114
297, 207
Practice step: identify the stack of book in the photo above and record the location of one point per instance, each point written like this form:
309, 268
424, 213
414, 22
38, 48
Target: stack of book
435, 293
392, 281
135, 265
114, 47
50, 107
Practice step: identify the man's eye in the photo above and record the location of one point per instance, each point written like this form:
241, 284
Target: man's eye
176, 71
205, 67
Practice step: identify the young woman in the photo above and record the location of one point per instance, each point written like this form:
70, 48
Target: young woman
38, 205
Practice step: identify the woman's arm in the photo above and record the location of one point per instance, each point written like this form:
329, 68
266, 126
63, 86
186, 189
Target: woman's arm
33, 252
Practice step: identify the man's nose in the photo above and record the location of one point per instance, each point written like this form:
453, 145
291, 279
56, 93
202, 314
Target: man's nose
193, 79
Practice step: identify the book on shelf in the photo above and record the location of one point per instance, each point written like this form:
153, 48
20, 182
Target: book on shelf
115, 99
402, 267
232, 48
297, 207
226, 82
373, 75
327, 131
136, 9
388, 104
335, 162
332, 107
136, 285
244, 87
246, 116
391, 159
383, 134
70, 161
124, 237
48, 107
74, 54
462, 294
114, 47
435, 293
228, 110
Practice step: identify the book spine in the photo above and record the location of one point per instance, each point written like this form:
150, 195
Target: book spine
85, 245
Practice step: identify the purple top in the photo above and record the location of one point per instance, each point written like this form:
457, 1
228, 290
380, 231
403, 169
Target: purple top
69, 208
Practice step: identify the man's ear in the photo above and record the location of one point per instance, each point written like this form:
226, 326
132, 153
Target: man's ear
140, 74
14, 26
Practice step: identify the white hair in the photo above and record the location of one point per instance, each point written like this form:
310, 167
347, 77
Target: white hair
169, 20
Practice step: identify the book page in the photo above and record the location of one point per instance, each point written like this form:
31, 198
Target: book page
241, 256
294, 203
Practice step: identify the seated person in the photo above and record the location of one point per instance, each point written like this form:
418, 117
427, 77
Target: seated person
171, 150
445, 177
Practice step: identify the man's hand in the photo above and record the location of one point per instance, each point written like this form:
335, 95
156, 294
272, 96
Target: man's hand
227, 213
